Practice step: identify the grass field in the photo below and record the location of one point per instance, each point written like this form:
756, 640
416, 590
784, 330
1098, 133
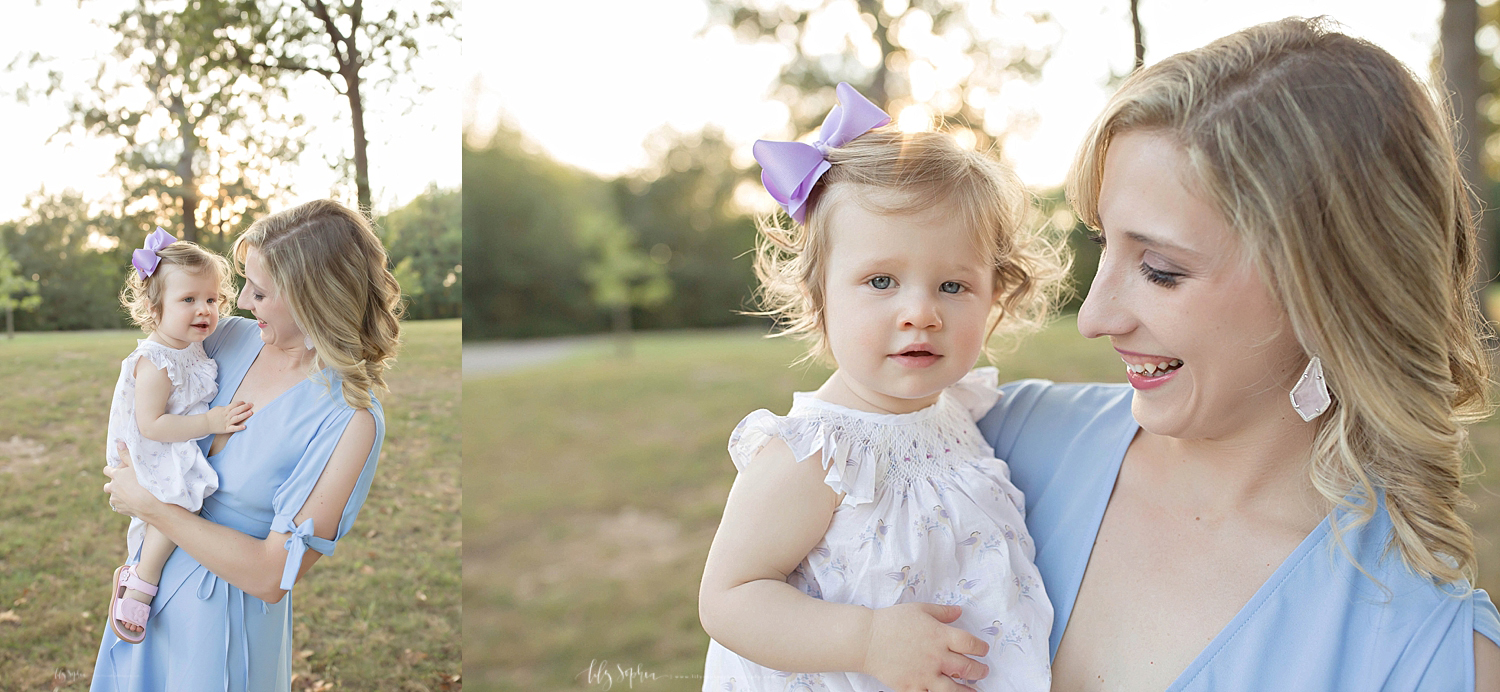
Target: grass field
595, 484
382, 614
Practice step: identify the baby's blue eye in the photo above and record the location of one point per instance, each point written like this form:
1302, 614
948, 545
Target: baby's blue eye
880, 282
951, 287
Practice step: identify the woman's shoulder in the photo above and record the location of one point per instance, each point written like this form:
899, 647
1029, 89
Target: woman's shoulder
1040, 412
1361, 616
1408, 602
232, 334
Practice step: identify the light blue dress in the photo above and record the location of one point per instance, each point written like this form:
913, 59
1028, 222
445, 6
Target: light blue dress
1316, 624
205, 633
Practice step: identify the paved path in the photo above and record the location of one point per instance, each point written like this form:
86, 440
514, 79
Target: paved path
494, 357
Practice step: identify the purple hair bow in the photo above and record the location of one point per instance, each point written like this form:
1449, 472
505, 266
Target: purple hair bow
790, 169
145, 259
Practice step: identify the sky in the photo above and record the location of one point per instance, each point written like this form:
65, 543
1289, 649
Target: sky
588, 81
413, 141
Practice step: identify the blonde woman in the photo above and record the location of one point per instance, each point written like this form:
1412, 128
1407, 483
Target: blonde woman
292, 482
1271, 504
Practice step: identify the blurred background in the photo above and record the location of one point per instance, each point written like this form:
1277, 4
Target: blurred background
201, 116
610, 197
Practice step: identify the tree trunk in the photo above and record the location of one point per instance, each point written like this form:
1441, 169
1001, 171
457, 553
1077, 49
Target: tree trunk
346, 52
1461, 73
620, 321
1140, 34
361, 159
10, 327
185, 175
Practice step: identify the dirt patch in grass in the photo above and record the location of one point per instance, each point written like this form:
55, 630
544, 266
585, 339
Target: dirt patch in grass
619, 546
19, 452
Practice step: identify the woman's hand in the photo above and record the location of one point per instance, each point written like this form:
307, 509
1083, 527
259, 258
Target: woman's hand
126, 495
912, 649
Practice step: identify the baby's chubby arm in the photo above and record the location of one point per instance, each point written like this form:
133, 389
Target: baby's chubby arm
778, 510
153, 388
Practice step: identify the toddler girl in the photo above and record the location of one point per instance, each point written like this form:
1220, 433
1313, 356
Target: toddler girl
176, 293
874, 512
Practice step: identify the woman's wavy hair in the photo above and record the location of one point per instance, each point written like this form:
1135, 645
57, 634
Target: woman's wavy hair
911, 173
327, 264
1337, 169
141, 297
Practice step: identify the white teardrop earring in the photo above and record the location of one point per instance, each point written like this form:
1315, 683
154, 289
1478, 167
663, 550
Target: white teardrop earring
1310, 396
307, 341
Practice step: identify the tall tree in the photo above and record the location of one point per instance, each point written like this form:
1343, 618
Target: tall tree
1140, 34
68, 250
1460, 69
339, 43
425, 240
197, 142
16, 291
620, 274
682, 207
945, 55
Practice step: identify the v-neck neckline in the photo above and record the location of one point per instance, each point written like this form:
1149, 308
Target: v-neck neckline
1241, 617
264, 407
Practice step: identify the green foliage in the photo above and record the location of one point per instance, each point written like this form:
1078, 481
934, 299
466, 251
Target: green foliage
551, 250
198, 146
686, 217
619, 274
79, 258
524, 275
66, 249
203, 131
425, 242
1055, 210
16, 291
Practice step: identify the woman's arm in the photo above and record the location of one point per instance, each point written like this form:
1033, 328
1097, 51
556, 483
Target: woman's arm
778, 510
153, 388
1486, 664
252, 564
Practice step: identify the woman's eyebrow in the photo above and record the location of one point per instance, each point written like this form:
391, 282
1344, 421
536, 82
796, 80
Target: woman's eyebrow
1154, 242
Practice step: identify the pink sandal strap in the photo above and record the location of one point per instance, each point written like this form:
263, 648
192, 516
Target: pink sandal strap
133, 612
130, 580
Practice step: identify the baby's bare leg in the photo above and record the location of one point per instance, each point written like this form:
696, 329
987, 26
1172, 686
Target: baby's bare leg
155, 550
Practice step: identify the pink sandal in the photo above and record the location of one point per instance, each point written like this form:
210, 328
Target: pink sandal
128, 609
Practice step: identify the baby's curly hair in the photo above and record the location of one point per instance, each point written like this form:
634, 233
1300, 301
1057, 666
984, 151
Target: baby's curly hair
915, 172
142, 297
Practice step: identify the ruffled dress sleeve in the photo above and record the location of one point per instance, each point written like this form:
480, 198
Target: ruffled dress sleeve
851, 472
293, 493
163, 360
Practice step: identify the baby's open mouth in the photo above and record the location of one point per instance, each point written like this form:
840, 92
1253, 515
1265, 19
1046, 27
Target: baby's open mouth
916, 353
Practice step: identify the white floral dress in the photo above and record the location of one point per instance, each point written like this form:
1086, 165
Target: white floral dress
174, 472
929, 515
